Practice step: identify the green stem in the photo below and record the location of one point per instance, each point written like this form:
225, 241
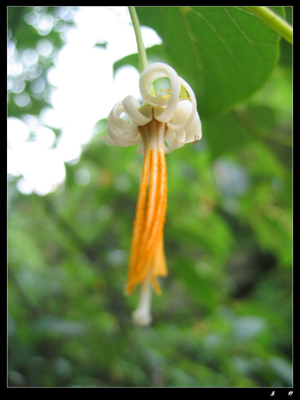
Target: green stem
274, 21
137, 30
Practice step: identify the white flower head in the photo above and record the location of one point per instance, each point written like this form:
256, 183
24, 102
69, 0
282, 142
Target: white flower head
183, 124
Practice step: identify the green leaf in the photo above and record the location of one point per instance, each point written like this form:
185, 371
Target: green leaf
226, 134
225, 53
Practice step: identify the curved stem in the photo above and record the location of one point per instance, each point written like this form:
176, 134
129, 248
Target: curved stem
137, 30
274, 21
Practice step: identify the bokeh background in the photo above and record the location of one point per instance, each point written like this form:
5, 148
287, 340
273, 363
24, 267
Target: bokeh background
224, 318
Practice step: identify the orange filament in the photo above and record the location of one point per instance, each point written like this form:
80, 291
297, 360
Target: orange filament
147, 247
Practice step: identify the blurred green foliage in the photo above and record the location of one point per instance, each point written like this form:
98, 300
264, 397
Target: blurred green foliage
225, 316
37, 33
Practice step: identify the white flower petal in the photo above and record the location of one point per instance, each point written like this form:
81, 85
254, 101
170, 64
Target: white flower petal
119, 122
108, 141
194, 131
131, 106
152, 72
190, 110
116, 136
173, 140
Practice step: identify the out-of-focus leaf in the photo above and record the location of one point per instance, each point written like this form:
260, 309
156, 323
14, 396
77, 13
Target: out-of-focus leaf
225, 134
53, 325
273, 228
201, 288
283, 369
247, 328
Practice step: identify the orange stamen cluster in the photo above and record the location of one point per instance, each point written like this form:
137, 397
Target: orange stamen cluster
147, 246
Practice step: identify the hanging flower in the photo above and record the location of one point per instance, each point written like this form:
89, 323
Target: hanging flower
163, 123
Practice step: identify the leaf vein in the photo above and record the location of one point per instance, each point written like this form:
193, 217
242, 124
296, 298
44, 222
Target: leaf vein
197, 56
231, 54
245, 36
